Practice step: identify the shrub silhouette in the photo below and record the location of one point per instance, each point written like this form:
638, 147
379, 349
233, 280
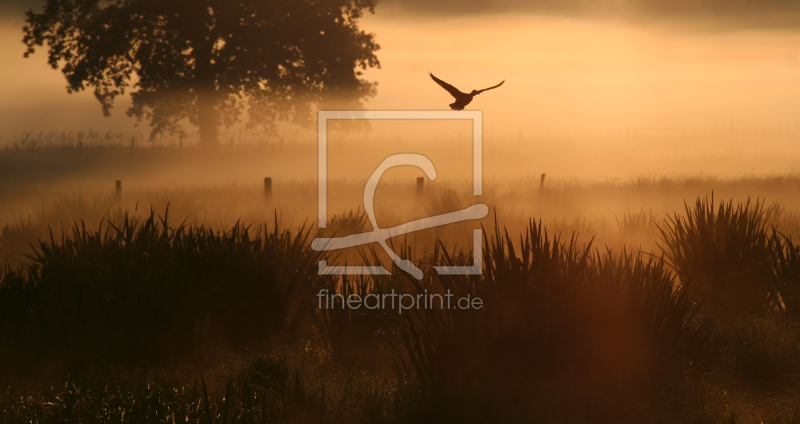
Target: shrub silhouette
150, 293
720, 251
562, 325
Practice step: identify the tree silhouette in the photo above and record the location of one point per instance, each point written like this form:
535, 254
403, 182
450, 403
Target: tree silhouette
207, 60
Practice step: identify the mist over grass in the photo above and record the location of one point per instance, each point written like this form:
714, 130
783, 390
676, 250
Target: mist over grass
191, 297
640, 261
563, 321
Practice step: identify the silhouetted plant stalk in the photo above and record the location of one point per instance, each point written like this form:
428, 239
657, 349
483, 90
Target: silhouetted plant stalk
783, 262
265, 390
147, 292
562, 323
720, 251
609, 328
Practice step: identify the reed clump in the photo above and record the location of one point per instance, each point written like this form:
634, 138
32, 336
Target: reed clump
149, 293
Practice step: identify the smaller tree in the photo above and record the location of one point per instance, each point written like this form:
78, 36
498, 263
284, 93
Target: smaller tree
209, 60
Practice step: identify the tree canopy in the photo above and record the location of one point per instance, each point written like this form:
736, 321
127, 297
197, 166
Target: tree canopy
209, 60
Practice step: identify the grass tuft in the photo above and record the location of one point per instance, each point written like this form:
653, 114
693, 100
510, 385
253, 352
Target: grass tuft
148, 293
720, 251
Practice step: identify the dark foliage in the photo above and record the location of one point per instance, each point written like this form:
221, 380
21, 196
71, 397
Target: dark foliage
149, 293
720, 251
267, 390
194, 59
561, 327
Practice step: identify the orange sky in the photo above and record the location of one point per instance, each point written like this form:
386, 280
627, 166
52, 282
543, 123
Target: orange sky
563, 76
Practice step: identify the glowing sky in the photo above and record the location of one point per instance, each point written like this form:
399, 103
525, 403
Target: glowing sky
563, 75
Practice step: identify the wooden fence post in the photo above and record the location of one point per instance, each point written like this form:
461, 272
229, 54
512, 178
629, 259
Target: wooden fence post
420, 186
118, 193
541, 182
268, 189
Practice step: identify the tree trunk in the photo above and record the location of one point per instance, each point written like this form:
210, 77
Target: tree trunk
205, 82
207, 118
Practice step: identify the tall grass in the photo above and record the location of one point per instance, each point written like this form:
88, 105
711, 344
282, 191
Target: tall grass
637, 228
354, 337
348, 223
265, 390
720, 251
150, 293
784, 265
567, 333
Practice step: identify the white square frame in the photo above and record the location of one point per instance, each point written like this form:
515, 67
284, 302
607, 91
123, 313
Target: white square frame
324, 116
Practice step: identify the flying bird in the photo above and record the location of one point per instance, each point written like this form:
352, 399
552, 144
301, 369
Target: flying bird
462, 99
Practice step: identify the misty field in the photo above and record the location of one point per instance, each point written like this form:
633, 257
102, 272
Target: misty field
192, 298
604, 226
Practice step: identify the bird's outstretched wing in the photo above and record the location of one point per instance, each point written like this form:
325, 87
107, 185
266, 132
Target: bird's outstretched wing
486, 89
450, 89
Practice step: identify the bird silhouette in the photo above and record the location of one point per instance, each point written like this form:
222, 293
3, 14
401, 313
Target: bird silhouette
462, 99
